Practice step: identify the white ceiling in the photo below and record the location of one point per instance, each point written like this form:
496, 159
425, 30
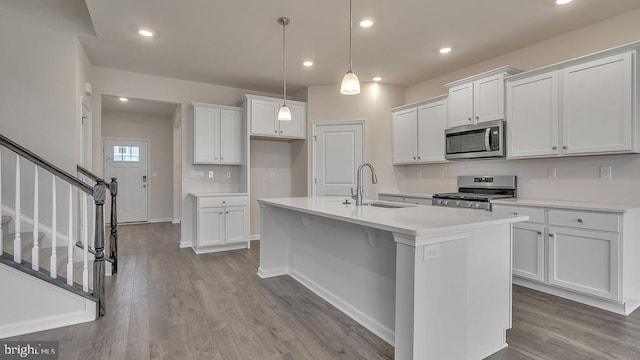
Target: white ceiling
239, 43
139, 106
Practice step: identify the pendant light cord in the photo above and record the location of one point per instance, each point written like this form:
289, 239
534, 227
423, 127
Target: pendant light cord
284, 63
350, 30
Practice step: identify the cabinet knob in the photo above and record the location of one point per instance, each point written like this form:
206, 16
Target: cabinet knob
554, 147
276, 131
564, 147
280, 131
469, 119
515, 213
579, 220
414, 158
220, 213
419, 158
539, 232
551, 235
224, 202
477, 118
227, 212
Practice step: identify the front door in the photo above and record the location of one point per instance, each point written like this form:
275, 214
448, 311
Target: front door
338, 151
127, 160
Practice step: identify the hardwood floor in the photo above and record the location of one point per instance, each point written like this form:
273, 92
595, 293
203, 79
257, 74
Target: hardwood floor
168, 303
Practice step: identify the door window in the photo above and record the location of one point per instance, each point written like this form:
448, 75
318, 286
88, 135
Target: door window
126, 153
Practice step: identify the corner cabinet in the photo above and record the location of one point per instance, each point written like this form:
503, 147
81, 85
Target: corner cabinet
262, 117
418, 132
586, 106
222, 222
587, 256
478, 98
218, 134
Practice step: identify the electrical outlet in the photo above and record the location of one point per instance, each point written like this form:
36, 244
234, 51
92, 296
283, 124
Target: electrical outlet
431, 252
228, 174
441, 174
272, 174
606, 172
210, 174
551, 173
419, 174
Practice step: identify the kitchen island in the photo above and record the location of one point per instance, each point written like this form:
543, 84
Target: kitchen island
434, 282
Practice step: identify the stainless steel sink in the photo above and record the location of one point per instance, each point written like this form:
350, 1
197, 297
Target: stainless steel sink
387, 205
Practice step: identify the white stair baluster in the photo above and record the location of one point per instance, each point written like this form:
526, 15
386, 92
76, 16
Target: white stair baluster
54, 229
71, 244
17, 241
85, 242
1, 231
35, 250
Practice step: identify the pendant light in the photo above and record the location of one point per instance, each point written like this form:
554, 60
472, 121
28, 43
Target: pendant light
350, 83
285, 113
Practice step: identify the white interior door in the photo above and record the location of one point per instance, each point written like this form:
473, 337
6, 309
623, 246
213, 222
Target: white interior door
85, 134
127, 160
338, 151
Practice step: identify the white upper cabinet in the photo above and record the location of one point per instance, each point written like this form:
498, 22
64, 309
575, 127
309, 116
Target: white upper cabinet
478, 98
418, 132
218, 134
585, 106
262, 115
597, 106
532, 116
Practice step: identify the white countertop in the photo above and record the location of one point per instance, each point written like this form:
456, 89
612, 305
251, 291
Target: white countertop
413, 195
208, 194
411, 220
575, 205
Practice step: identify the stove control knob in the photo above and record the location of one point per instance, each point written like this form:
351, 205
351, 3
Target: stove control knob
457, 203
446, 202
439, 202
477, 205
470, 204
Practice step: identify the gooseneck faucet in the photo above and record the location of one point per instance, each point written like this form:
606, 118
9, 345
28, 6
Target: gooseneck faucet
358, 194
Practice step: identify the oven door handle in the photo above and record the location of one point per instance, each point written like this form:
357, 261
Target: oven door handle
487, 139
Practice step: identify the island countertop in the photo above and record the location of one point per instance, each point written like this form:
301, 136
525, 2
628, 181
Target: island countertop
409, 220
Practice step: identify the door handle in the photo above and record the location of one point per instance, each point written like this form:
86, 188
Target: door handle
487, 139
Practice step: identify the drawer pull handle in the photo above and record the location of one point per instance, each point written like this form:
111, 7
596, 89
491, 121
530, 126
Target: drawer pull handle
224, 202
579, 220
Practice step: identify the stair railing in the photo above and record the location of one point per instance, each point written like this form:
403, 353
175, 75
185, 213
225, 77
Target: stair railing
113, 222
84, 193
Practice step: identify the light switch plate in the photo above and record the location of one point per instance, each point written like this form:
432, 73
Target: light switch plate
551, 173
419, 174
228, 174
606, 172
210, 174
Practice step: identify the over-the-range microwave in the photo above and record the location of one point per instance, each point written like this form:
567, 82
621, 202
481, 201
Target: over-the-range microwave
483, 140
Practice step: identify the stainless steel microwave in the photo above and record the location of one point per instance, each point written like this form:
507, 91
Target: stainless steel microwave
483, 140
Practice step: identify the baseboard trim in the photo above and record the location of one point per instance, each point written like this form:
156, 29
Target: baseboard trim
254, 237
218, 248
265, 274
176, 221
184, 245
363, 319
160, 220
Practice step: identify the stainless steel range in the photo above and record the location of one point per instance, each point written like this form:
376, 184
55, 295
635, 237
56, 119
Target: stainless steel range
476, 192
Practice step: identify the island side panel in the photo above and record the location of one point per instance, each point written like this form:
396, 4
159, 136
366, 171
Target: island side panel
453, 298
274, 241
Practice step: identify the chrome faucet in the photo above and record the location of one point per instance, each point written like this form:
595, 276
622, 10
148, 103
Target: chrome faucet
358, 194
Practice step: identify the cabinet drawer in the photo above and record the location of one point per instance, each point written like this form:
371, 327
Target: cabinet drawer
585, 220
391, 198
217, 201
535, 214
417, 201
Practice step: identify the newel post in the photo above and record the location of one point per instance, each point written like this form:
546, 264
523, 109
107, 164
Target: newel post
113, 238
99, 196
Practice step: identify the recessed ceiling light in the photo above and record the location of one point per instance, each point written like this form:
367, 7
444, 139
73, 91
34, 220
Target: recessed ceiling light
445, 50
562, 2
145, 32
308, 63
365, 23
377, 78
123, 99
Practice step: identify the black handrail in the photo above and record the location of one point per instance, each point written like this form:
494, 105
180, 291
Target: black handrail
11, 145
113, 236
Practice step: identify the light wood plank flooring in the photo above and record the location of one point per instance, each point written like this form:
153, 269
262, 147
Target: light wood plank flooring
168, 303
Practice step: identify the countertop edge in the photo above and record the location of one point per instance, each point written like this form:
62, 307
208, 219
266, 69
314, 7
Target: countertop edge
569, 205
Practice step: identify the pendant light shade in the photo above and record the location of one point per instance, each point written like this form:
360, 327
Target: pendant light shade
285, 113
350, 83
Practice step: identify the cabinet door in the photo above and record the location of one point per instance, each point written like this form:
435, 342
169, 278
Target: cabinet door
206, 127
460, 105
404, 136
532, 116
585, 261
597, 106
210, 222
432, 121
528, 251
296, 128
231, 137
488, 98
263, 117
235, 224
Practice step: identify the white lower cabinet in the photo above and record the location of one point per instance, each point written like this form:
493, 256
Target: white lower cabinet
222, 222
587, 256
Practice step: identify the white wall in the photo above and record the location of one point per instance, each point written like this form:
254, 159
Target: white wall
142, 86
325, 103
158, 129
577, 178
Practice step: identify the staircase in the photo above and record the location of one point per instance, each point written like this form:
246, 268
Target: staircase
52, 255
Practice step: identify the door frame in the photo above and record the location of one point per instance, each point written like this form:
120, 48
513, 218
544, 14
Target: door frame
362, 122
104, 166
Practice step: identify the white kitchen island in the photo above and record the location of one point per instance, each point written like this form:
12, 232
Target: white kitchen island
434, 282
